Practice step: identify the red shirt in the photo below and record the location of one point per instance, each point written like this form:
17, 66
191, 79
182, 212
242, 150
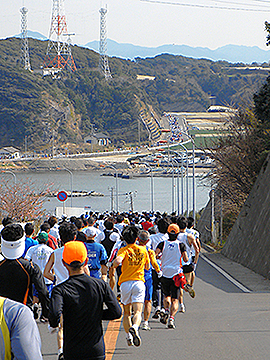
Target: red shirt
52, 242
146, 225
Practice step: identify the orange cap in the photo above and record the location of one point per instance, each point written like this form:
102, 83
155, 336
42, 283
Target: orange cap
74, 251
173, 229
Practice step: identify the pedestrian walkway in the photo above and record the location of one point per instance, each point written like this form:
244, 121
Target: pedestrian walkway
251, 280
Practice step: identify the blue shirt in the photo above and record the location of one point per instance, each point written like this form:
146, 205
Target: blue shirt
96, 254
28, 243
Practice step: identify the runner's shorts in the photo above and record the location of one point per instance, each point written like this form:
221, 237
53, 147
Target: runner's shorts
148, 289
132, 291
169, 288
188, 268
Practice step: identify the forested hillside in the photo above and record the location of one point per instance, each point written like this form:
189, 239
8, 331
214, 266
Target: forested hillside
36, 106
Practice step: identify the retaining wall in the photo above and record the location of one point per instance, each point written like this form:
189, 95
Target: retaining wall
249, 241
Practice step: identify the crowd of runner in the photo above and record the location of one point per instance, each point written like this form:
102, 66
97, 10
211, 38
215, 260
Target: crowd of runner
68, 268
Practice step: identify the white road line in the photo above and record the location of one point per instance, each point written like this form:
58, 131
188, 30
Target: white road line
227, 276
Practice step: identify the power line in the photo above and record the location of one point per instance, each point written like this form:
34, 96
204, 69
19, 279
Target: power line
244, 4
262, 1
202, 6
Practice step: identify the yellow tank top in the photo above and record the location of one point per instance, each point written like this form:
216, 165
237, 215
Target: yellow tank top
4, 333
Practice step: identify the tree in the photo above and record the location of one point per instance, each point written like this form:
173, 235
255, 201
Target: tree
267, 29
238, 160
21, 200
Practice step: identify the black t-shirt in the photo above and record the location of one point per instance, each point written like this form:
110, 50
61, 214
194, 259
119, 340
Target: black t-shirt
80, 299
17, 277
107, 242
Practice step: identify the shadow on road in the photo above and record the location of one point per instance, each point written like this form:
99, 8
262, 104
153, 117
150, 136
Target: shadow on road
207, 273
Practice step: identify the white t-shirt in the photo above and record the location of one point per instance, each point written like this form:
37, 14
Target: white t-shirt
39, 254
119, 227
55, 232
101, 226
170, 260
155, 239
59, 269
182, 237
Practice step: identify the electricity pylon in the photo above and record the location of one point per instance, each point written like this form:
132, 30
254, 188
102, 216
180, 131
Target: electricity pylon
25, 59
59, 56
103, 58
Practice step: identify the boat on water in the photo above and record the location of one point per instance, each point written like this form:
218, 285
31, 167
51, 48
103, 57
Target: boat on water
120, 175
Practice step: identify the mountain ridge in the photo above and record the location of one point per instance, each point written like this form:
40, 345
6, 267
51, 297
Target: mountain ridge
231, 53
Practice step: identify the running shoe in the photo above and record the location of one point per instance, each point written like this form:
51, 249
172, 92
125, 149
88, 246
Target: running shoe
171, 324
61, 356
135, 335
182, 308
145, 326
129, 342
35, 311
156, 314
164, 316
190, 290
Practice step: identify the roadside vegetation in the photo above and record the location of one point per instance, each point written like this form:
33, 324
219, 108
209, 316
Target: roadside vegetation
21, 200
240, 155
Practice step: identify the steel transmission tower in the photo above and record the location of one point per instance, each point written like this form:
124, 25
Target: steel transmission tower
24, 48
103, 58
59, 56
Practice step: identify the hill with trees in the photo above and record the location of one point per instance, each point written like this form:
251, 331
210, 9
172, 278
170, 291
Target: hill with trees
68, 108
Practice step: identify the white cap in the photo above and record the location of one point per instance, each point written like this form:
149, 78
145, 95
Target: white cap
114, 236
13, 249
90, 232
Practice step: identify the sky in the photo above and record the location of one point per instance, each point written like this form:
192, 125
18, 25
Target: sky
151, 23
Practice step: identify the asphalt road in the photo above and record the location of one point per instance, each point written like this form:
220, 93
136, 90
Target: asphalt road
225, 321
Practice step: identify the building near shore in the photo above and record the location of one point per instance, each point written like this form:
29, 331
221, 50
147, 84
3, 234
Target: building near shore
9, 152
98, 138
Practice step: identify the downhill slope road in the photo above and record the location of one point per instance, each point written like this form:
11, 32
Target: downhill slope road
225, 321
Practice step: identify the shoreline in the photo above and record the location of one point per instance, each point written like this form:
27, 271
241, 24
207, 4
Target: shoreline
102, 165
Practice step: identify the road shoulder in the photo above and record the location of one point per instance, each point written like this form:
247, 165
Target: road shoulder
251, 280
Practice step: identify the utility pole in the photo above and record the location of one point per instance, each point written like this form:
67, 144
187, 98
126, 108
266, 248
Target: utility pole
24, 47
221, 218
131, 201
111, 191
59, 56
53, 144
103, 58
25, 144
92, 137
139, 132
213, 225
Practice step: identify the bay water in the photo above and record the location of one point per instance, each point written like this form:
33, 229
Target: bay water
140, 187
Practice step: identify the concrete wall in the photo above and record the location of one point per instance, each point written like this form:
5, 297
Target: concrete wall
249, 241
204, 224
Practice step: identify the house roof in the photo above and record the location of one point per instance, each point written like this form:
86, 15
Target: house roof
9, 150
98, 135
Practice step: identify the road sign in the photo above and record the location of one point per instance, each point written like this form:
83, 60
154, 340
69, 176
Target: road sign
62, 196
